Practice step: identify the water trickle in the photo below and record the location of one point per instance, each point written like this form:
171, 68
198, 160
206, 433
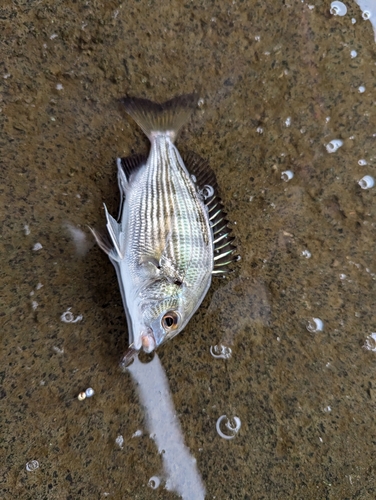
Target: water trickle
227, 428
338, 9
315, 325
32, 465
287, 175
220, 351
366, 182
334, 145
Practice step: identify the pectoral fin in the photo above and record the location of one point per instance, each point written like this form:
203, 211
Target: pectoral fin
117, 237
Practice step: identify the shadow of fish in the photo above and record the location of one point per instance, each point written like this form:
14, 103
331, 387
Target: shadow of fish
171, 235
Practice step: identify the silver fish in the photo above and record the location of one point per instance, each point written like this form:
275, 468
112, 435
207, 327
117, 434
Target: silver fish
171, 235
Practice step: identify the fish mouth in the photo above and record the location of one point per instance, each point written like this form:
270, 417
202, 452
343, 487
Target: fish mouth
148, 341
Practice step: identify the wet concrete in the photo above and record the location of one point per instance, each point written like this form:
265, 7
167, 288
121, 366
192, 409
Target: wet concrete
306, 400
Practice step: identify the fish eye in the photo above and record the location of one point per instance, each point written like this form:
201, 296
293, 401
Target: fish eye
170, 320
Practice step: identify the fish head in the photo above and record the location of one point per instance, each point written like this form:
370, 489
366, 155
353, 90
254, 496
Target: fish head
158, 322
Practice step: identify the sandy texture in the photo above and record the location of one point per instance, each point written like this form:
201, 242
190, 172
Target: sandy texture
306, 400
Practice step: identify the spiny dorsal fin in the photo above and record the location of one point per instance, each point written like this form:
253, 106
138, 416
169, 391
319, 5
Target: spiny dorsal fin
224, 246
200, 169
167, 117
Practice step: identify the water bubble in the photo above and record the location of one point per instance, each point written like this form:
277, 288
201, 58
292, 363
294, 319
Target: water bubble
59, 86
227, 428
138, 433
81, 396
333, 145
307, 254
207, 191
362, 162
353, 20
338, 9
353, 54
120, 441
32, 465
366, 182
315, 325
370, 343
287, 175
67, 317
37, 247
89, 392
201, 102
288, 121
154, 482
361, 89
220, 351
366, 14
260, 130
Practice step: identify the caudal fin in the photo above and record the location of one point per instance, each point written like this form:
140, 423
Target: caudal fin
168, 117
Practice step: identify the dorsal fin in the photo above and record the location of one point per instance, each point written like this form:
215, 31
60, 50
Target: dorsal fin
206, 182
167, 117
131, 164
200, 169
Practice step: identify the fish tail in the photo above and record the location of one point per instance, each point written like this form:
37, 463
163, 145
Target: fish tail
166, 118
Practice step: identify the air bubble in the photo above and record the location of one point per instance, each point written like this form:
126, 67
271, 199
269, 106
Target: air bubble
361, 89
260, 130
366, 14
227, 428
287, 175
315, 325
366, 182
59, 86
338, 9
120, 441
288, 121
353, 54
154, 482
207, 191
307, 254
89, 392
370, 343
362, 162
37, 247
67, 317
220, 351
32, 465
334, 145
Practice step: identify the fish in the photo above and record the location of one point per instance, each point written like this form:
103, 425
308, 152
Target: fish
171, 235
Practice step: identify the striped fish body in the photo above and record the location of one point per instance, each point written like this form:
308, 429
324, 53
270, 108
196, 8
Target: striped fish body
168, 245
171, 232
